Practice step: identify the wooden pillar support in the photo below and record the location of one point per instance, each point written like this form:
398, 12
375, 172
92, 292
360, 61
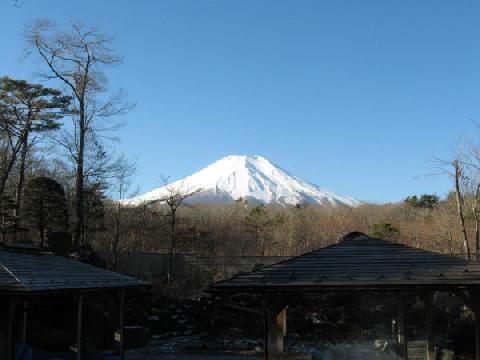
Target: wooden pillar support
475, 306
275, 330
121, 323
280, 328
402, 330
265, 335
429, 325
284, 321
10, 331
79, 326
24, 322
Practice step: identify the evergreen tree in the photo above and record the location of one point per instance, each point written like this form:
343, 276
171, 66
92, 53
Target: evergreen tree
258, 221
25, 108
384, 231
8, 220
45, 206
94, 206
426, 201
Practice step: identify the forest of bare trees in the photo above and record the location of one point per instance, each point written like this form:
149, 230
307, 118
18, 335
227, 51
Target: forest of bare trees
248, 229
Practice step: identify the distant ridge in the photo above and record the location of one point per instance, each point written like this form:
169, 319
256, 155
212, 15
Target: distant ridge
252, 178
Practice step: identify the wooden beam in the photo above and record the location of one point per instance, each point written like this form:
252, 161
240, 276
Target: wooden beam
394, 330
10, 336
122, 323
429, 329
79, 326
281, 324
276, 328
477, 332
24, 321
402, 331
265, 334
271, 335
475, 307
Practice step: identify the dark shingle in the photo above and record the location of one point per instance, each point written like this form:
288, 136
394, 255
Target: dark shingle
359, 261
34, 271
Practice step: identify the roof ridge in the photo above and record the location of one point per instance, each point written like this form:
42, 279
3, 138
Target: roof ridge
410, 247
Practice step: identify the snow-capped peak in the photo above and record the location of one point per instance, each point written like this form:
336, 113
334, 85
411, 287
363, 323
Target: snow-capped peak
252, 178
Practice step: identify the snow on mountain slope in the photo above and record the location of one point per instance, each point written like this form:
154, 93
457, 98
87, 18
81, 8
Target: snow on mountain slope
253, 178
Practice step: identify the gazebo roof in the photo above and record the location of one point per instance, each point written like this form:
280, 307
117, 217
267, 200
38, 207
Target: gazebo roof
24, 270
359, 262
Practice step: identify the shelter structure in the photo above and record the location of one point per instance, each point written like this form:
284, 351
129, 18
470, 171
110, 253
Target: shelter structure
29, 274
361, 263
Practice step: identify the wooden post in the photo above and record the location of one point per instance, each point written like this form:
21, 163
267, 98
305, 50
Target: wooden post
429, 325
265, 334
10, 338
281, 325
402, 331
122, 323
271, 335
79, 326
276, 321
475, 306
477, 330
24, 322
394, 330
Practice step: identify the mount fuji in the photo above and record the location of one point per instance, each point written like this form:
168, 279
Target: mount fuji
252, 178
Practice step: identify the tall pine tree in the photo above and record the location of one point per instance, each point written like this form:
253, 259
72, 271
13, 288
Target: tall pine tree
25, 108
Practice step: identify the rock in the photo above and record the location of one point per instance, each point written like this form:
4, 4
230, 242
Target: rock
380, 345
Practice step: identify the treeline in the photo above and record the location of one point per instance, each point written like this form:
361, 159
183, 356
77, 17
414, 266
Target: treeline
246, 229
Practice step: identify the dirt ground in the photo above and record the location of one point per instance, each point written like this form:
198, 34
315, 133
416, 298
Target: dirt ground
190, 357
190, 348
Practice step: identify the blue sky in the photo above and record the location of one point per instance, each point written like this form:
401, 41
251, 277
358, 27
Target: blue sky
355, 96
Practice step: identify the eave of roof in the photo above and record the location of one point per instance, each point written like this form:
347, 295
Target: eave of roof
359, 262
30, 271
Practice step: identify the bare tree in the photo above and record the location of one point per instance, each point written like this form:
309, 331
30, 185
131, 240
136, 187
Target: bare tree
476, 215
76, 58
473, 179
175, 196
455, 169
457, 166
122, 191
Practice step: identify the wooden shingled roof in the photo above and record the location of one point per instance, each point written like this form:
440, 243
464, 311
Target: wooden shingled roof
32, 271
359, 262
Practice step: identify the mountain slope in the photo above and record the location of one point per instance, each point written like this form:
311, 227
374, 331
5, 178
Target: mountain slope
253, 178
